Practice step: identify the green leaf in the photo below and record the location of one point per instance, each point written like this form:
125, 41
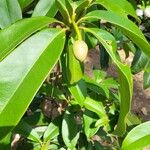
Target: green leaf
101, 88
36, 119
45, 7
69, 6
19, 31
90, 41
146, 77
96, 107
74, 67
79, 92
80, 6
125, 76
132, 119
139, 62
63, 10
28, 65
52, 91
27, 131
70, 132
52, 130
25, 3
96, 87
121, 7
88, 120
10, 12
104, 58
6, 142
127, 26
138, 137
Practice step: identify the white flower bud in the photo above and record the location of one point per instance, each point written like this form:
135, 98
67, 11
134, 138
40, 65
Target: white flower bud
80, 50
139, 12
147, 11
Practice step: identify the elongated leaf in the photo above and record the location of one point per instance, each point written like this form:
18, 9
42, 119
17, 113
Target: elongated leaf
146, 77
95, 106
80, 7
18, 32
88, 120
10, 12
63, 10
6, 142
96, 87
45, 7
128, 27
69, 6
70, 132
121, 7
25, 3
26, 130
138, 137
23, 72
139, 62
125, 77
132, 119
51, 132
79, 92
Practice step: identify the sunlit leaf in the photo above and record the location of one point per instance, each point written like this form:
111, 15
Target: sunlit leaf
23, 68
138, 137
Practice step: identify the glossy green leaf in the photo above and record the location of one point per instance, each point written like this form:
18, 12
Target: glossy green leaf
63, 10
121, 7
96, 87
127, 26
45, 7
139, 62
25, 3
146, 77
80, 6
95, 106
27, 131
125, 76
138, 137
74, 67
6, 142
19, 31
79, 92
90, 41
28, 65
132, 119
101, 88
69, 6
98, 145
89, 120
10, 12
70, 132
52, 131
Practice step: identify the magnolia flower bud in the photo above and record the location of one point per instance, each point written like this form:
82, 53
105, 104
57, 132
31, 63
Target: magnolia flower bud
80, 50
147, 11
139, 12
